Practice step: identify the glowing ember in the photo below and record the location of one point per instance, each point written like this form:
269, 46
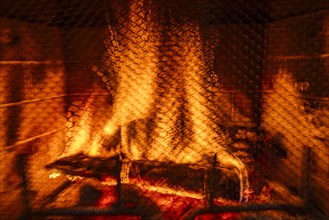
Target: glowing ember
168, 206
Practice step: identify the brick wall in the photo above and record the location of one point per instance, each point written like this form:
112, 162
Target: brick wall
31, 106
44, 69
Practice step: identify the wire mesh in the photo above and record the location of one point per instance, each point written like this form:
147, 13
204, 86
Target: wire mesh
158, 109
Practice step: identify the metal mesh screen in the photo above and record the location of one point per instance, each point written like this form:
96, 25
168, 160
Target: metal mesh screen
159, 109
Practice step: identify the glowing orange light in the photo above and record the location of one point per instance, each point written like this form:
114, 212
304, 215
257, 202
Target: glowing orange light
136, 63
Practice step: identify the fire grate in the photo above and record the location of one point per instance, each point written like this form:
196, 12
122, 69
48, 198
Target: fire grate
160, 109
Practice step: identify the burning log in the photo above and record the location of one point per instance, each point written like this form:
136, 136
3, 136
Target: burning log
84, 166
196, 179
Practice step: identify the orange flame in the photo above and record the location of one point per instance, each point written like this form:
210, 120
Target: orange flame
136, 63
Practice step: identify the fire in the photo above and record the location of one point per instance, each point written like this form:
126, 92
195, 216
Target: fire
81, 138
166, 85
136, 68
283, 111
284, 118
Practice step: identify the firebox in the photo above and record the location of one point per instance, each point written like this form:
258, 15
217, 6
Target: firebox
162, 109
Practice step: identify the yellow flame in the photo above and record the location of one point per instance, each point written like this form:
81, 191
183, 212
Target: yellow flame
135, 63
54, 174
80, 136
183, 65
284, 117
283, 113
136, 72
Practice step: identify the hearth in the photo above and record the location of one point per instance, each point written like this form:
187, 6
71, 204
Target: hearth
160, 109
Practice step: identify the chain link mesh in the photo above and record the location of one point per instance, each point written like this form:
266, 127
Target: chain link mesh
160, 108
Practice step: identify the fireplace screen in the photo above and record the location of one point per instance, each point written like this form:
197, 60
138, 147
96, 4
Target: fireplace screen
158, 109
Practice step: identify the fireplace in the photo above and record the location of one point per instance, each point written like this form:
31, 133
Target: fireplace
159, 109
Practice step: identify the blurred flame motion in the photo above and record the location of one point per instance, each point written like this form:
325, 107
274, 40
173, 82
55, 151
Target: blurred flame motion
284, 118
283, 112
160, 83
136, 68
83, 137
135, 63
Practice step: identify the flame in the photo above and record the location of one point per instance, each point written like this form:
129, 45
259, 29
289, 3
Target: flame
283, 112
169, 88
136, 68
284, 117
54, 174
80, 137
135, 64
